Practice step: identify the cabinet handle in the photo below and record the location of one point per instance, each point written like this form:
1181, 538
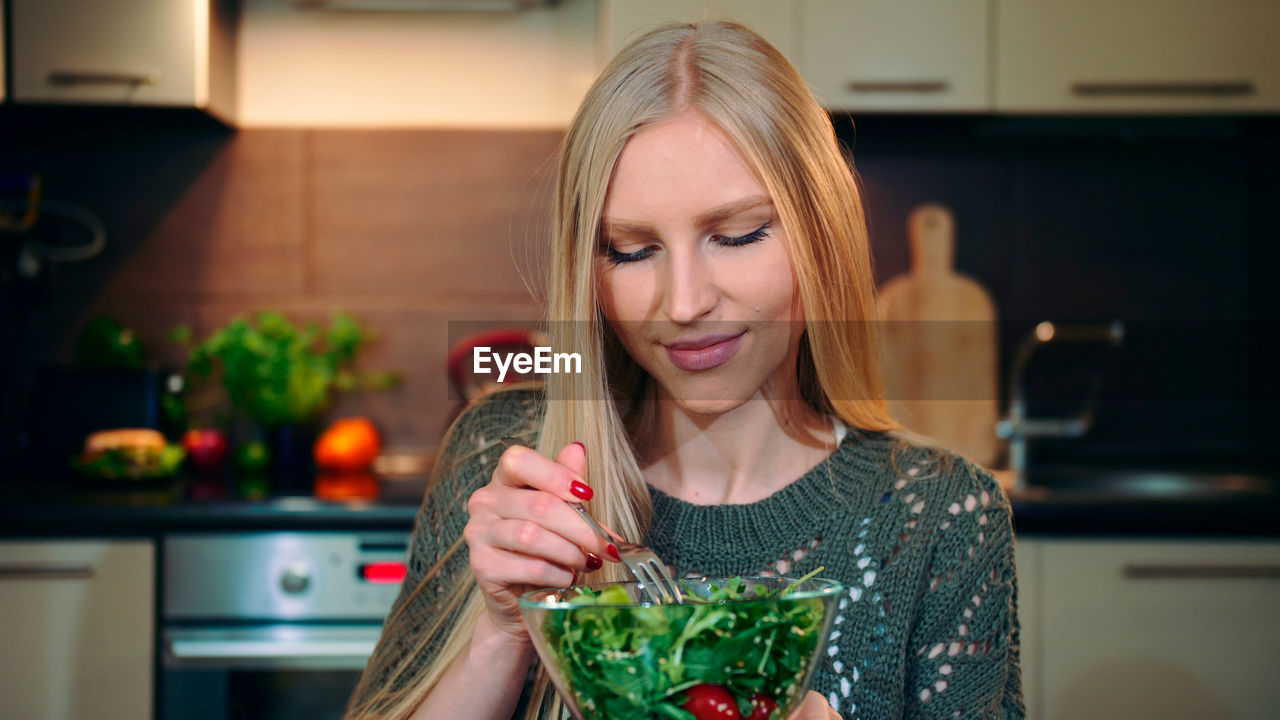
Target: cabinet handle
102, 77
269, 649
897, 86
45, 572
1164, 89
1201, 572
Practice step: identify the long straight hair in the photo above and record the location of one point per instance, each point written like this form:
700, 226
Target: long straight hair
753, 94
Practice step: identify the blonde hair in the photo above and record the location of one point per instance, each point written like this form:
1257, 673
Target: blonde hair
746, 87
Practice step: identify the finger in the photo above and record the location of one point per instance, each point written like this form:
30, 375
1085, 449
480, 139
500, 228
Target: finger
491, 504
522, 466
574, 457
814, 707
496, 569
529, 538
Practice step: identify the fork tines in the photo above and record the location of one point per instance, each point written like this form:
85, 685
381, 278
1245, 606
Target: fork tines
656, 579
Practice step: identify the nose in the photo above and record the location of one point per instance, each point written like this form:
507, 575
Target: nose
690, 291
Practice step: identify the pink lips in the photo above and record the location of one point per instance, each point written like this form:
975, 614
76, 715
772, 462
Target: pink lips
703, 353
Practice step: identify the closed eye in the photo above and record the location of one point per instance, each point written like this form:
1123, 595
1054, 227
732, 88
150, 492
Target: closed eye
756, 235
618, 258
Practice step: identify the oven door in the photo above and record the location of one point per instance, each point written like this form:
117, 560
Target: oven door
265, 672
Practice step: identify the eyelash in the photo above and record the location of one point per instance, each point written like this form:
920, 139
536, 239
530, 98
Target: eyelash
619, 258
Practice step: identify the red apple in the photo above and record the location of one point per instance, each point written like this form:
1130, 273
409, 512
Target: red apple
206, 448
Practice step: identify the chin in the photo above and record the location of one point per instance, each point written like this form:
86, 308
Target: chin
710, 396
709, 408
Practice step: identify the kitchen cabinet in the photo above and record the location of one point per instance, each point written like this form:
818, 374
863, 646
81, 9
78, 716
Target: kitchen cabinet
1008, 56
907, 55
1137, 56
620, 20
177, 53
77, 629
1150, 629
1027, 560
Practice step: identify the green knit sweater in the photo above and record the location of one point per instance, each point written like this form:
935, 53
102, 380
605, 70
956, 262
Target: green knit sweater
927, 627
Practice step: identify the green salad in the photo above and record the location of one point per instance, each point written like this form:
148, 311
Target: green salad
744, 643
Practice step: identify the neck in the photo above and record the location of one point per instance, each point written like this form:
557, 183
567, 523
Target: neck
739, 456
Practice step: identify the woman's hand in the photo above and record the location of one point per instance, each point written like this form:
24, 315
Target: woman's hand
814, 707
522, 533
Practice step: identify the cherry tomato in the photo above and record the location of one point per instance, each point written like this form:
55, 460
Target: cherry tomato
711, 702
762, 707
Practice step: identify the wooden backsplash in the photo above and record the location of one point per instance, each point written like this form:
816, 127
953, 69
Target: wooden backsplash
406, 230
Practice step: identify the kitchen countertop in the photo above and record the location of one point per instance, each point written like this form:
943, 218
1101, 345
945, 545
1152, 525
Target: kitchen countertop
79, 509
81, 519
80, 513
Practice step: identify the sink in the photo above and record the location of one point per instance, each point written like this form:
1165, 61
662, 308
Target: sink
1069, 482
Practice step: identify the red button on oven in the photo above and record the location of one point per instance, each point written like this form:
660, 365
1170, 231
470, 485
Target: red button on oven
383, 573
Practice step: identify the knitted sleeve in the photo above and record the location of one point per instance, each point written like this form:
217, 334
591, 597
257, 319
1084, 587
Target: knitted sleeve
963, 655
424, 611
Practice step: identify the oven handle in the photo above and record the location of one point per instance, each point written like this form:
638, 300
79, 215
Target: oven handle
269, 649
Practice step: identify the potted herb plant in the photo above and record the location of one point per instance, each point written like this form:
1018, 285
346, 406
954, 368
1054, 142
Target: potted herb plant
283, 377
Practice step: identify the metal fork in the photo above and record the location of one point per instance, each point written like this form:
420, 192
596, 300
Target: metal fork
652, 575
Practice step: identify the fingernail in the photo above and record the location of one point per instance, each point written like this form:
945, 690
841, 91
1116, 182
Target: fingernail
594, 562
580, 490
579, 444
613, 552
574, 581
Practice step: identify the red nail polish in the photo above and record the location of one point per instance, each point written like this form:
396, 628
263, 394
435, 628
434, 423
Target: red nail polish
580, 490
594, 562
579, 444
613, 553
574, 581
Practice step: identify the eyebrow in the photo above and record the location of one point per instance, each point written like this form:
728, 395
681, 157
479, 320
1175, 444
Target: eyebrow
708, 218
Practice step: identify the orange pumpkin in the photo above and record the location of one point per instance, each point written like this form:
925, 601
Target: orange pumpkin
349, 445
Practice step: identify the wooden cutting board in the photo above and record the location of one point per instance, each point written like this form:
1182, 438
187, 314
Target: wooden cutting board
941, 346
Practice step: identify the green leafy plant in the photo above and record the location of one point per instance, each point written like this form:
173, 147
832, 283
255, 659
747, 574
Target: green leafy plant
278, 374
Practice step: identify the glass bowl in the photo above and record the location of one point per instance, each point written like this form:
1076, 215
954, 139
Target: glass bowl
752, 641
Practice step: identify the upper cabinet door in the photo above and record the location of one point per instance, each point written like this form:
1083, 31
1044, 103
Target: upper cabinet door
130, 52
899, 55
622, 20
1137, 56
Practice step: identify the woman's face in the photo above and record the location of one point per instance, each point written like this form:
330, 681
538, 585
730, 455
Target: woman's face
694, 275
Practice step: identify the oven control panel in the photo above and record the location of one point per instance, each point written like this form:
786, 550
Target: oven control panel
282, 575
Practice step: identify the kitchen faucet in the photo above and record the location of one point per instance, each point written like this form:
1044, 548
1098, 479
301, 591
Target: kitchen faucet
1017, 428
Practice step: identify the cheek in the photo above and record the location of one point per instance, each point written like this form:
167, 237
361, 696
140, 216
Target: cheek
604, 295
797, 303
609, 293
624, 294
618, 299
770, 290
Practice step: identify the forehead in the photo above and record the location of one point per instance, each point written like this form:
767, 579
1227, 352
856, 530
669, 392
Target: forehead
682, 166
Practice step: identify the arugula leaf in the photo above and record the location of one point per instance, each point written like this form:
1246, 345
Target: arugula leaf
808, 576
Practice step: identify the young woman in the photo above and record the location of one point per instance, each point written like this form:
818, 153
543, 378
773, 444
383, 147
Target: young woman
712, 269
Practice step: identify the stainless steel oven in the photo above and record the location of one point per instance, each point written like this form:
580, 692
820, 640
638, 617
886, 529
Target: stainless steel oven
271, 626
